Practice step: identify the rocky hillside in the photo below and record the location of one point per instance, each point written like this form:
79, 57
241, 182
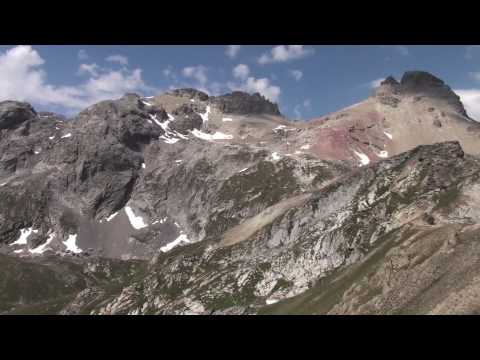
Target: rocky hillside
184, 203
420, 109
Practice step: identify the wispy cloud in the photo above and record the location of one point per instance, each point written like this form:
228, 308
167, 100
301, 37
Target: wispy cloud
82, 54
296, 74
402, 50
284, 53
297, 112
198, 73
88, 69
170, 73
470, 50
232, 51
24, 78
241, 71
120, 59
475, 76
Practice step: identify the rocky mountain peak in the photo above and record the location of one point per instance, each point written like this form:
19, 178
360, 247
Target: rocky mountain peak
418, 84
390, 80
14, 113
239, 102
190, 93
420, 79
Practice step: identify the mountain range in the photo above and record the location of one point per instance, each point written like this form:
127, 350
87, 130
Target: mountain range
185, 203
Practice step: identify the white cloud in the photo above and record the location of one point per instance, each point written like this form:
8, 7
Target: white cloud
283, 53
296, 111
170, 73
195, 77
262, 86
198, 73
375, 83
82, 54
120, 59
232, 51
470, 50
471, 100
241, 71
402, 50
88, 69
475, 75
24, 79
296, 74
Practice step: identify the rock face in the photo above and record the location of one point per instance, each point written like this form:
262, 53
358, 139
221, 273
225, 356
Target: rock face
242, 103
190, 94
421, 82
14, 113
189, 204
186, 119
420, 79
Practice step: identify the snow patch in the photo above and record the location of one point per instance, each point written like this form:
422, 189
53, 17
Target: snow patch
227, 119
209, 137
162, 125
181, 239
3, 184
243, 170
136, 221
305, 147
169, 141
178, 161
52, 137
36, 152
24, 234
364, 159
18, 251
71, 244
388, 135
271, 301
146, 103
41, 249
192, 100
143, 165
275, 156
112, 216
204, 116
170, 137
280, 127
67, 136
383, 154
161, 221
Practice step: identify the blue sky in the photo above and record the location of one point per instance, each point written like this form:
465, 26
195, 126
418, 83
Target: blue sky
306, 81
